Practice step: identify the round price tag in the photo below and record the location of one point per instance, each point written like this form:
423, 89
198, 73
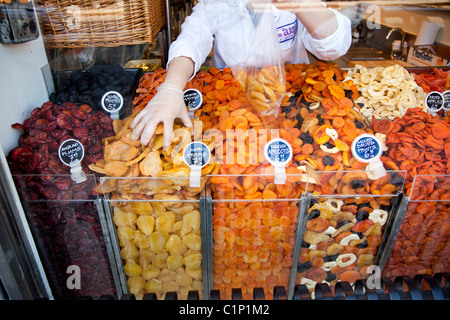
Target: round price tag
446, 96
196, 154
367, 148
70, 151
278, 152
193, 99
112, 102
434, 101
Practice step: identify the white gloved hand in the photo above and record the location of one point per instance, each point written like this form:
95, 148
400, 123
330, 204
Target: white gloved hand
167, 105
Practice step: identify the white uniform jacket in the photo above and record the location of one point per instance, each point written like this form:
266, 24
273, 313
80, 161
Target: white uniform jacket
227, 25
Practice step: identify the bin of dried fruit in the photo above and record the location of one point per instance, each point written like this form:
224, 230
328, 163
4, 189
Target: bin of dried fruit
254, 225
386, 92
422, 243
68, 234
157, 224
344, 229
63, 215
155, 214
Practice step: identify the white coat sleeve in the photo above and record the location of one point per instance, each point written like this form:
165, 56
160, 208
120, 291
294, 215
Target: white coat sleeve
195, 39
333, 46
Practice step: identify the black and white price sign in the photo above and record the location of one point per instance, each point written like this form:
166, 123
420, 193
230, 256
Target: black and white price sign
196, 154
71, 150
434, 101
112, 102
193, 99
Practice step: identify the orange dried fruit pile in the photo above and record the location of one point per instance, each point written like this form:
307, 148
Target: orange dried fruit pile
253, 237
418, 142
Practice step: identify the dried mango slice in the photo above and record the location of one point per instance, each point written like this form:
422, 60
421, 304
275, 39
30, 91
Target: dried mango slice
152, 164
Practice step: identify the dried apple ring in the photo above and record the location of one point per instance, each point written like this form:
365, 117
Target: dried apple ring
349, 258
334, 205
345, 241
378, 215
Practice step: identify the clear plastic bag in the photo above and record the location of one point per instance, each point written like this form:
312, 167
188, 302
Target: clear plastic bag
253, 52
263, 75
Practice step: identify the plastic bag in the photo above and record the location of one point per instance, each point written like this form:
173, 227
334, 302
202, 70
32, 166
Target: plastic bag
252, 51
263, 75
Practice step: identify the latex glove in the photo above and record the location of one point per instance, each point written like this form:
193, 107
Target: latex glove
167, 105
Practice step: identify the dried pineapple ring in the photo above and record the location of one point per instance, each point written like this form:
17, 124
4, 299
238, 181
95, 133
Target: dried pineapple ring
378, 215
351, 259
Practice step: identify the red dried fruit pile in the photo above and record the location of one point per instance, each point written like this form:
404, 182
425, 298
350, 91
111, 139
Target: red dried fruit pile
66, 233
48, 127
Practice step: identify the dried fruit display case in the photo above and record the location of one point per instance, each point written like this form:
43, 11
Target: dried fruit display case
344, 230
157, 232
67, 223
253, 225
420, 245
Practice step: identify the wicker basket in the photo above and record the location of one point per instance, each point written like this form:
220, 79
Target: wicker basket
100, 23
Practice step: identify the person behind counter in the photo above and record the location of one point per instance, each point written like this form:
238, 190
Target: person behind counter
306, 25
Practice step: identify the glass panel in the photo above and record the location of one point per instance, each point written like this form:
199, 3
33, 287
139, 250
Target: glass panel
422, 243
254, 225
65, 223
345, 225
158, 228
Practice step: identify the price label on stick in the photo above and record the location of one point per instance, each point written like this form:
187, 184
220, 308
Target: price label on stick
193, 100
278, 152
367, 148
196, 155
434, 102
112, 102
71, 152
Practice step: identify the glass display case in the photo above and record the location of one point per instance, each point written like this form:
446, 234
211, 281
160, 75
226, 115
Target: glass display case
67, 223
158, 235
345, 230
253, 223
421, 245
140, 234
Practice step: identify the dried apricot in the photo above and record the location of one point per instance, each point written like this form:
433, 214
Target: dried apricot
317, 225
